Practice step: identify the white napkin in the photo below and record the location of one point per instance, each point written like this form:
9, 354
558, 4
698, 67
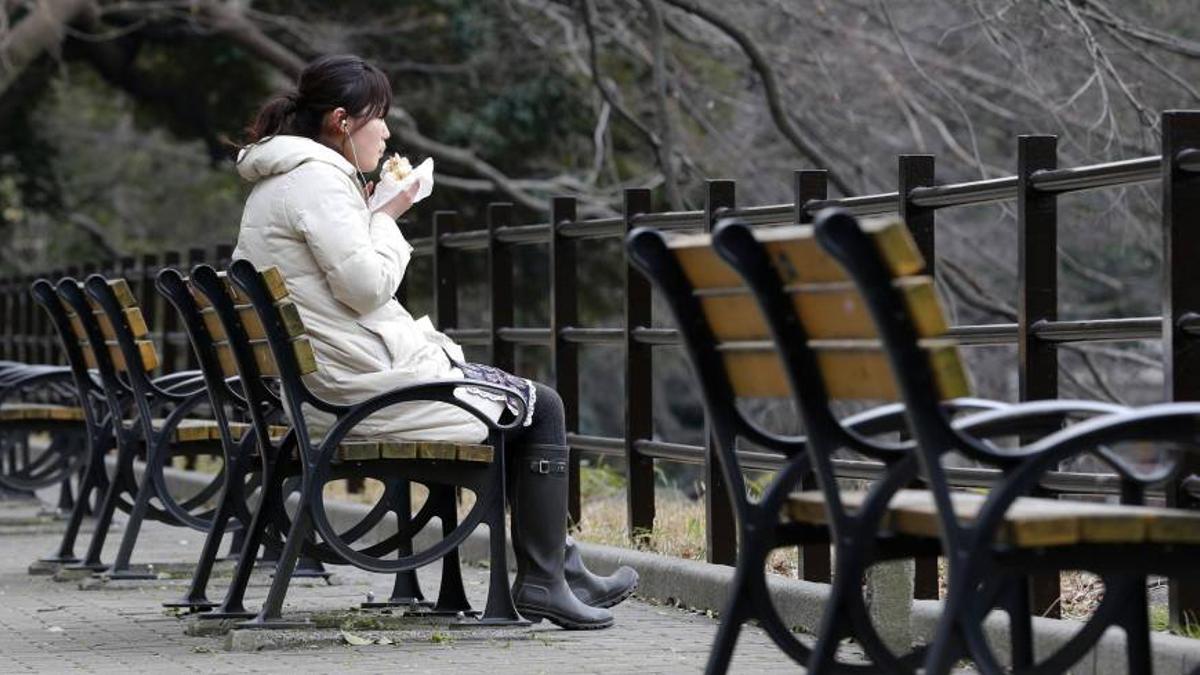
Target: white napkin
388, 187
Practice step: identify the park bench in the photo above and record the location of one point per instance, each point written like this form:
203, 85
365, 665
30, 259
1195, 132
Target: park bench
245, 465
106, 341
782, 319
38, 400
255, 332
1008, 534
728, 344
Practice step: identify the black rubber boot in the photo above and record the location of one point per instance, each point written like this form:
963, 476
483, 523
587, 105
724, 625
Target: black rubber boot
539, 529
593, 589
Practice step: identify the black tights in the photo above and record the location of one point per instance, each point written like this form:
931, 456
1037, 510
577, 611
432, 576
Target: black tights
549, 426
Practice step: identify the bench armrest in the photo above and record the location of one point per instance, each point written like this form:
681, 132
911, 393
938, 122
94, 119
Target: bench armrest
890, 418
33, 377
1176, 423
1040, 417
178, 386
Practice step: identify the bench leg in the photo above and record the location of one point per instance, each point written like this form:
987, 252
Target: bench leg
236, 543
500, 608
272, 607
310, 568
91, 559
233, 605
948, 640
732, 616
452, 593
66, 498
1136, 623
196, 598
120, 568
406, 589
65, 554
1020, 621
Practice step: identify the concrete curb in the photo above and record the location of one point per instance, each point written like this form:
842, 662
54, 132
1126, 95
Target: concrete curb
704, 587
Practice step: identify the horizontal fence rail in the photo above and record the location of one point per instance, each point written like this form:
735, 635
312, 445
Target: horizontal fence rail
1037, 332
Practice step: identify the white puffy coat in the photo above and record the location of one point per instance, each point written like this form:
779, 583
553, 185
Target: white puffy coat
307, 216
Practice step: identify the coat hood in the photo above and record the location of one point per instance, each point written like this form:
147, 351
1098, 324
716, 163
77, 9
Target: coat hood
280, 154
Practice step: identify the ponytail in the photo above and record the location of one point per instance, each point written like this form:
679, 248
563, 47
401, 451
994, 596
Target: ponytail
326, 83
274, 117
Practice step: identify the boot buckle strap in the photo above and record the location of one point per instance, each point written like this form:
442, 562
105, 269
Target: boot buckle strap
545, 466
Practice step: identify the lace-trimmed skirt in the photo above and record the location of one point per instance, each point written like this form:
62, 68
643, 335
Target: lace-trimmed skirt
484, 373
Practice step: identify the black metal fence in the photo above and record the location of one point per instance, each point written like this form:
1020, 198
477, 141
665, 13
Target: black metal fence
1035, 188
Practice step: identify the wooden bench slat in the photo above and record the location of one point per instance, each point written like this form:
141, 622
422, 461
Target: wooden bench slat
306, 358
828, 311
10, 412
288, 313
190, 430
77, 326
121, 289
853, 370
367, 450
272, 279
133, 317
147, 353
89, 356
1029, 523
796, 254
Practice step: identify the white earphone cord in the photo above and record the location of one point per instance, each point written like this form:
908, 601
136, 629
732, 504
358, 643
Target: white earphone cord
353, 153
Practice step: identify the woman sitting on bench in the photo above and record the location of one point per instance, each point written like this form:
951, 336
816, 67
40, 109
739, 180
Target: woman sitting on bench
308, 215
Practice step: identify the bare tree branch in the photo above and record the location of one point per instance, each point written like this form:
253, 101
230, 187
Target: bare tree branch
94, 232
666, 153
786, 124
42, 30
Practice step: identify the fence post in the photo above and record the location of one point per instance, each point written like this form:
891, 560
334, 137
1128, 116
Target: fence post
500, 285
224, 256
54, 352
29, 316
564, 355
151, 302
6, 350
1037, 270
813, 560
196, 255
720, 525
168, 322
639, 383
1181, 296
39, 325
918, 171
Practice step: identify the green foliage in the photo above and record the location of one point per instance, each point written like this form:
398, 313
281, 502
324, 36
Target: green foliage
1160, 621
519, 121
218, 97
599, 480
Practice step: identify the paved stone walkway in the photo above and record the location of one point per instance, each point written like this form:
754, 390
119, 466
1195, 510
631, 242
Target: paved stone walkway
51, 626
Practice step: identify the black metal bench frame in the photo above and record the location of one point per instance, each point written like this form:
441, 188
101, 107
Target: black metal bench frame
136, 392
980, 568
93, 480
759, 526
298, 454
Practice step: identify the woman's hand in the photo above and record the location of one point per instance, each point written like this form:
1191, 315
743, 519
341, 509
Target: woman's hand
401, 203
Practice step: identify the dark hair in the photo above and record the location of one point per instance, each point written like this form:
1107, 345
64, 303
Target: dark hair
338, 81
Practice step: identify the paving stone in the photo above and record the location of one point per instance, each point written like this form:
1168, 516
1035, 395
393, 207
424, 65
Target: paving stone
53, 627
